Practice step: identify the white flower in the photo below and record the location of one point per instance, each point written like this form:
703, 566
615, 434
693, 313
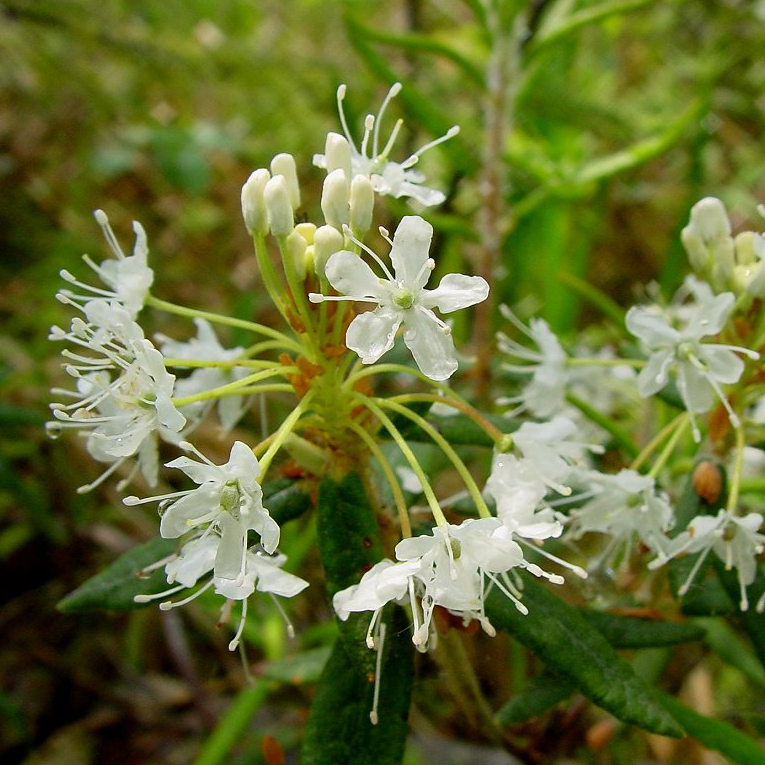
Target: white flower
396, 179
207, 347
701, 367
545, 394
734, 539
518, 491
708, 242
197, 558
403, 299
454, 567
626, 506
122, 416
128, 277
548, 450
228, 500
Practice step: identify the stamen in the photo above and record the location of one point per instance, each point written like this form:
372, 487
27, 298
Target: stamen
392, 93
158, 595
369, 122
90, 486
288, 624
347, 231
169, 605
696, 566
111, 240
237, 637
388, 146
450, 133
189, 447
370, 640
130, 501
341, 112
373, 718
506, 592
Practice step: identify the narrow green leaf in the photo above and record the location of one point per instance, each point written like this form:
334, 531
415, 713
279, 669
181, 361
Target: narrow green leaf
752, 621
633, 632
300, 668
550, 33
424, 44
285, 499
232, 725
599, 299
570, 646
726, 643
716, 734
339, 730
641, 151
542, 693
115, 587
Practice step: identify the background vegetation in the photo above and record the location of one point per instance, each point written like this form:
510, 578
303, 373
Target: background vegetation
158, 111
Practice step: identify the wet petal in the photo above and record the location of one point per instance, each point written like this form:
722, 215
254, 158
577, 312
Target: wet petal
454, 292
371, 334
351, 276
409, 254
431, 346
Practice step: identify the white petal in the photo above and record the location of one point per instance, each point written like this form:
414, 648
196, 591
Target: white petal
272, 579
228, 561
455, 291
651, 328
176, 520
242, 463
431, 346
371, 334
409, 254
196, 558
724, 366
350, 275
695, 391
655, 374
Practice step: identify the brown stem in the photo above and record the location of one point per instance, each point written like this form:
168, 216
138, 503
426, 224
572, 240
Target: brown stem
502, 71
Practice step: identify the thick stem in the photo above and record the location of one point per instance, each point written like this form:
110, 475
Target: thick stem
502, 71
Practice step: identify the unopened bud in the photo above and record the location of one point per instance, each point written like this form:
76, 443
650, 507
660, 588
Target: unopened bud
295, 251
253, 206
326, 241
337, 154
307, 231
708, 241
284, 164
362, 204
334, 199
278, 207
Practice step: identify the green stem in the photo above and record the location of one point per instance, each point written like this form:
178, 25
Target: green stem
270, 278
229, 321
284, 430
390, 477
491, 430
298, 293
669, 447
584, 361
232, 388
380, 368
408, 454
446, 448
205, 363
735, 481
656, 441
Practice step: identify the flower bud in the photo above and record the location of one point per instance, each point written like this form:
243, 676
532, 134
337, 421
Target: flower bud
284, 164
326, 241
253, 207
307, 231
362, 204
334, 199
337, 154
295, 249
278, 207
707, 240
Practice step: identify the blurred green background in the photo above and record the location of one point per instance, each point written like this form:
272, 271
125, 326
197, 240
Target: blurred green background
158, 111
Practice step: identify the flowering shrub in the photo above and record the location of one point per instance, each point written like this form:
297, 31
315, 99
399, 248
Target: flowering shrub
685, 381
